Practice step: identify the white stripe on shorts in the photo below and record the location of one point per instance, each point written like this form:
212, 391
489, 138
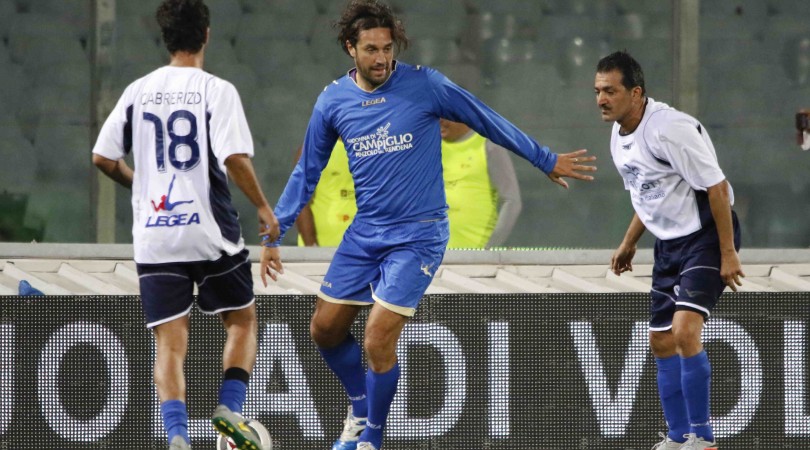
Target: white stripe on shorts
694, 306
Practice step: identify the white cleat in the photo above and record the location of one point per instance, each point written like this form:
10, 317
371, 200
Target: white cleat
697, 443
666, 443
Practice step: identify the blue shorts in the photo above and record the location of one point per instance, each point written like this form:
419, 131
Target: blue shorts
392, 265
167, 290
686, 275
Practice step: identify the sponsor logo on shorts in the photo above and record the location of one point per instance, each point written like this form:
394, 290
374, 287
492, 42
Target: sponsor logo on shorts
425, 268
327, 284
693, 294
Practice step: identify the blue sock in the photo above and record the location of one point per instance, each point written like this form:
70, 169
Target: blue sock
233, 390
671, 394
381, 390
696, 379
175, 419
346, 362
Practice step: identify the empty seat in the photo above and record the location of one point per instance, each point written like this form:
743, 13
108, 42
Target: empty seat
63, 210
751, 8
324, 47
220, 51
13, 85
419, 25
226, 16
268, 56
466, 75
240, 75
41, 52
432, 51
730, 26
136, 26
306, 8
442, 8
789, 7
139, 51
305, 78
68, 75
261, 26
20, 163
8, 13
76, 13
53, 106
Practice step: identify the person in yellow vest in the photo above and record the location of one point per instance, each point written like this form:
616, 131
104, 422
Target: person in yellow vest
331, 210
478, 175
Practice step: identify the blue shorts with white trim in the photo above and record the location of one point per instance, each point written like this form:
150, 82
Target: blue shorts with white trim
392, 265
686, 275
167, 290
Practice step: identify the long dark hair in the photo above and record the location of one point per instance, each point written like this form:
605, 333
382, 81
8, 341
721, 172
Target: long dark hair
362, 15
183, 24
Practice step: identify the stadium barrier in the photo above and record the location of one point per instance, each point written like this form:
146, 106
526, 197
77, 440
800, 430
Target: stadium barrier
554, 371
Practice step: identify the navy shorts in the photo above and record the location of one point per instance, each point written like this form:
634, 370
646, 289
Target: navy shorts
167, 290
392, 265
686, 275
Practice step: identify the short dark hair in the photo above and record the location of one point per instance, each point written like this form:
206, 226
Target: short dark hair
183, 24
632, 75
360, 15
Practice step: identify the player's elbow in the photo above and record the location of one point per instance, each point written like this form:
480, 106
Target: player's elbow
104, 164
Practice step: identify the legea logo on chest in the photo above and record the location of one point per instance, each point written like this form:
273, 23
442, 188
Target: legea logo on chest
373, 102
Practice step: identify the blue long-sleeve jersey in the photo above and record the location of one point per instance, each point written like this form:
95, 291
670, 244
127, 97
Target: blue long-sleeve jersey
393, 142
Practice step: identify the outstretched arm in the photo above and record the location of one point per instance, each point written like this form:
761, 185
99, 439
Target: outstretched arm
117, 170
457, 104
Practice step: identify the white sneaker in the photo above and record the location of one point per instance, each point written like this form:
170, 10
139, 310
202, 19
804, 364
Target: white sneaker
365, 446
696, 443
352, 427
178, 443
666, 443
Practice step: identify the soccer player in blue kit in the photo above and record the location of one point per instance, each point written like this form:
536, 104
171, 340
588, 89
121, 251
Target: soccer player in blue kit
680, 194
387, 113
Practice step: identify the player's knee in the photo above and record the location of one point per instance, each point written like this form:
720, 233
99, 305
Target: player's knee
379, 350
662, 343
687, 339
324, 335
381, 356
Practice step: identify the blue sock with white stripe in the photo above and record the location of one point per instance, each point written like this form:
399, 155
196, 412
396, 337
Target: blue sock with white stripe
346, 362
175, 419
381, 390
672, 399
696, 374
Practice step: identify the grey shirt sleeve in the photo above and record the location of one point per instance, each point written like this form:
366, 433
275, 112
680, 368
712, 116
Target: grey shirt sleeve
503, 178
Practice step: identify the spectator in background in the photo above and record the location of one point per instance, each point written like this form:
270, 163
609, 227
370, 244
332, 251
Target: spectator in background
478, 174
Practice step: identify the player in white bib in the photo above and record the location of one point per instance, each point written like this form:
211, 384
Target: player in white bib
681, 196
187, 132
